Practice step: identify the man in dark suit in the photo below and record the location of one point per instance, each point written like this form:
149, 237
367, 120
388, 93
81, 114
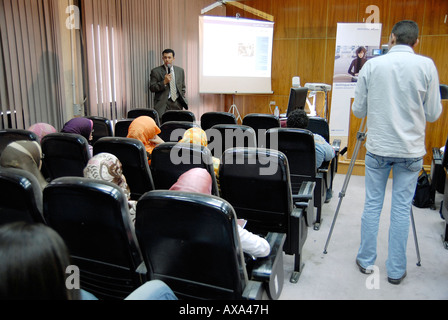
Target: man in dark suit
168, 83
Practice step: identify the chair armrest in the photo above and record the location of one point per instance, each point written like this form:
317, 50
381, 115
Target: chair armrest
269, 270
437, 156
305, 192
253, 290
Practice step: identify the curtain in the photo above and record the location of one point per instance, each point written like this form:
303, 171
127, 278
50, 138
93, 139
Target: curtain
31, 77
124, 42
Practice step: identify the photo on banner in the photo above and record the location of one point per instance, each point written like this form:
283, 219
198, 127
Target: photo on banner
355, 44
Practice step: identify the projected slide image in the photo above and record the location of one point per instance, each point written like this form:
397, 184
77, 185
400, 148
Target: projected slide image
233, 52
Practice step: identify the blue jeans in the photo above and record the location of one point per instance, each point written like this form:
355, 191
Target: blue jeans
152, 290
405, 174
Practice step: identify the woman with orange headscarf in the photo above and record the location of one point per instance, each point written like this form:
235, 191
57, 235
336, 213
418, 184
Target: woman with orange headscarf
145, 129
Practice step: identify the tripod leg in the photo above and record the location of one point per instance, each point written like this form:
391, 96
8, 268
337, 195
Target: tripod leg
360, 138
415, 239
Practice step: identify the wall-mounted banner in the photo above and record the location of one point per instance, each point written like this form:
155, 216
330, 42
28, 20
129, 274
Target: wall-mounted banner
355, 44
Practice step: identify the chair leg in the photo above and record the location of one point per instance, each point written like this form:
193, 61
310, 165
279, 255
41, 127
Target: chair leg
318, 218
298, 267
445, 237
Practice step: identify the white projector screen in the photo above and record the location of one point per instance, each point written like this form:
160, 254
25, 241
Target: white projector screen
235, 55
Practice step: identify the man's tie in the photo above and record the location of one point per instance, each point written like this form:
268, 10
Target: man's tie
173, 89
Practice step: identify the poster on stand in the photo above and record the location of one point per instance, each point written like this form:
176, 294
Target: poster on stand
355, 44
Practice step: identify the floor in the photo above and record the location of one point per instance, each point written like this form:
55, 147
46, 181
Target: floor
335, 276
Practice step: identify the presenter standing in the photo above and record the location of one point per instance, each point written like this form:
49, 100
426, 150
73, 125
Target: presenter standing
168, 83
398, 93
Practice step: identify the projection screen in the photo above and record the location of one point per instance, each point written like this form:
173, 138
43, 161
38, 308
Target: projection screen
235, 55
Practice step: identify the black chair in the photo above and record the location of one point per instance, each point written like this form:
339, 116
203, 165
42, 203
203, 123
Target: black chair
132, 155
444, 209
438, 163
329, 168
209, 119
173, 131
20, 198
178, 115
190, 241
298, 146
135, 113
444, 91
256, 182
10, 135
65, 154
122, 127
170, 160
224, 136
102, 127
261, 121
92, 217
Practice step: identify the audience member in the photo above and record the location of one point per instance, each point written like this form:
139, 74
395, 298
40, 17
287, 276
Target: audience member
198, 136
42, 129
25, 155
324, 151
145, 129
82, 126
199, 180
34, 264
107, 167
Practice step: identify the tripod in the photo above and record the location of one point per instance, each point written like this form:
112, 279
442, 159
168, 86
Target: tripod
360, 137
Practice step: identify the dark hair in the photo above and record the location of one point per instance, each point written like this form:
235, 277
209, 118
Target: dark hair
33, 259
167, 51
406, 32
297, 119
361, 49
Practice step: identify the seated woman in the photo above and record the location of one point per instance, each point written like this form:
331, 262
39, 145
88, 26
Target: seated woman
38, 272
25, 155
42, 129
82, 126
107, 167
199, 180
198, 136
145, 129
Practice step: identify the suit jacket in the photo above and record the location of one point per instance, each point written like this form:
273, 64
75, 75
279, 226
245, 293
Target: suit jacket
162, 91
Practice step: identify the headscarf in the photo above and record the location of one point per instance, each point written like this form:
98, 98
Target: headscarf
144, 128
195, 135
25, 155
42, 129
198, 136
82, 126
107, 167
194, 180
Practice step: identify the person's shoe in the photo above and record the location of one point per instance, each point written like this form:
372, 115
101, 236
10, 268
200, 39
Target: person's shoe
396, 281
329, 196
362, 269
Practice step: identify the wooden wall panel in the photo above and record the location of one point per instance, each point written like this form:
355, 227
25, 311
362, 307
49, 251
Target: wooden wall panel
436, 18
436, 47
312, 16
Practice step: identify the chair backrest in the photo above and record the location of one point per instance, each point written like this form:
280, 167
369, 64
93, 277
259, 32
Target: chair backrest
170, 160
132, 155
92, 217
320, 126
178, 127
209, 119
261, 121
64, 154
298, 146
256, 183
122, 127
20, 197
224, 136
135, 113
178, 115
10, 135
102, 127
190, 241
